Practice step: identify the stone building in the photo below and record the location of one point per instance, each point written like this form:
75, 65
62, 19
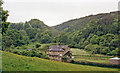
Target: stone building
115, 61
59, 52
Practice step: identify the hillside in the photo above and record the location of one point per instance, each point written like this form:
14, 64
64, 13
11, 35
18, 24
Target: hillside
33, 23
12, 62
80, 23
31, 31
95, 33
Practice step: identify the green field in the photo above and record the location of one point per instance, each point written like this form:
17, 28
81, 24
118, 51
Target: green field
33, 46
13, 62
0, 60
82, 55
79, 54
76, 51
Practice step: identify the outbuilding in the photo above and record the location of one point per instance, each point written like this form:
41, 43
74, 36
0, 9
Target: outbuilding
115, 61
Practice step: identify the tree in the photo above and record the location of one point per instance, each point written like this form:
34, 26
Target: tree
92, 26
44, 37
113, 52
89, 47
31, 32
3, 18
26, 25
105, 50
94, 40
14, 37
38, 45
63, 38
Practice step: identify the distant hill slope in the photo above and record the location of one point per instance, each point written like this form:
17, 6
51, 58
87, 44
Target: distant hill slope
95, 33
78, 24
33, 23
33, 30
12, 62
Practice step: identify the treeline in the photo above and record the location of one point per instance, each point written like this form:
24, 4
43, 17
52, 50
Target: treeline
19, 34
95, 33
3, 24
100, 36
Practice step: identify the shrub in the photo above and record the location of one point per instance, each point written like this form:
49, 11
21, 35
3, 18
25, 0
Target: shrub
72, 61
113, 52
38, 45
12, 46
30, 53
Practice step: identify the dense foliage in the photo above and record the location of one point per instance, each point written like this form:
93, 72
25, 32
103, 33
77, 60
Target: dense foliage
98, 34
3, 18
95, 33
3, 24
32, 53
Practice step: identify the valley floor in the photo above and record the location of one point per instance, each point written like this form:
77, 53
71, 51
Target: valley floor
82, 55
13, 62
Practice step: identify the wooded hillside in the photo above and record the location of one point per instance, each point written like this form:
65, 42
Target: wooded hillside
95, 33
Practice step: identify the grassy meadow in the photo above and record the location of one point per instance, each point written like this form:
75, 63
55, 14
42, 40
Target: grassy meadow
76, 51
82, 55
33, 46
0, 65
79, 54
13, 62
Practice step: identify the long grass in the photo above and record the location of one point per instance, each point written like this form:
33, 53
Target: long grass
13, 62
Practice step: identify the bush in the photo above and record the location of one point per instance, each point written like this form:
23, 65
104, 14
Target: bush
30, 53
89, 47
114, 53
72, 61
12, 46
18, 47
38, 45
45, 47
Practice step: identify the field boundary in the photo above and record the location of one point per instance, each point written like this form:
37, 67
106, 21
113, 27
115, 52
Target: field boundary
91, 58
95, 64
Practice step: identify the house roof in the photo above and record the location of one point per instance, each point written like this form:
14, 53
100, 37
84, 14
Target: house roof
116, 58
57, 47
29, 49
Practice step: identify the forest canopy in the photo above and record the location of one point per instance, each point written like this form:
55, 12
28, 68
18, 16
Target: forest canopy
95, 33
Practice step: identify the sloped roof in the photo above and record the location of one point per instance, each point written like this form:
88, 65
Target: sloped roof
57, 47
116, 58
29, 49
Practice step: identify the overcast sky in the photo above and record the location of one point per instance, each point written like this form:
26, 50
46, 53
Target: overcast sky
54, 12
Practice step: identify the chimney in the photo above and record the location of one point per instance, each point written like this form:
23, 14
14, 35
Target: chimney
59, 44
